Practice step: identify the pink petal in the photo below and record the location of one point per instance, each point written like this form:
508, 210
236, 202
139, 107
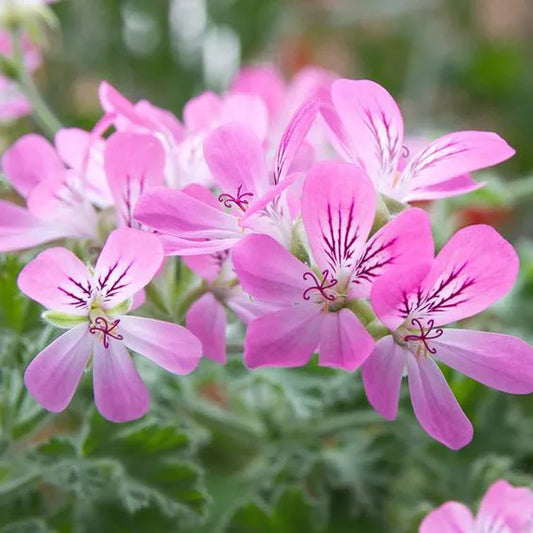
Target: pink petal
293, 137
204, 194
72, 145
170, 346
391, 293
338, 207
179, 214
190, 247
207, 266
344, 342
246, 109
57, 279
53, 376
462, 184
382, 376
31, 159
374, 126
19, 229
206, 319
235, 157
133, 163
263, 81
284, 338
163, 120
502, 362
454, 154
129, 260
276, 277
452, 517
119, 393
506, 508
434, 404
405, 238
473, 270
202, 111
247, 309
123, 110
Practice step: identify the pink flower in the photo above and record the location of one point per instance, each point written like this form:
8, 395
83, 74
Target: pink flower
13, 103
473, 270
504, 509
250, 191
338, 209
92, 305
367, 128
56, 207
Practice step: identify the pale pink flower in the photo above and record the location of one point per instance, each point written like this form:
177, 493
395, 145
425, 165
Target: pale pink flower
55, 200
504, 509
338, 209
367, 129
250, 191
473, 270
92, 305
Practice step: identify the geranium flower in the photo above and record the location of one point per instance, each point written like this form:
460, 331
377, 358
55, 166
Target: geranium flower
92, 305
236, 159
504, 509
367, 127
56, 204
473, 270
338, 209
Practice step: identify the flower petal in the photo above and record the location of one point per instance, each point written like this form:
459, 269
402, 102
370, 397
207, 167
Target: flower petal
405, 237
129, 260
462, 184
119, 392
278, 277
246, 109
28, 161
374, 126
502, 362
190, 247
133, 162
506, 508
338, 208
53, 376
206, 319
235, 157
344, 342
200, 112
284, 338
170, 346
382, 376
434, 404
452, 155
452, 517
57, 279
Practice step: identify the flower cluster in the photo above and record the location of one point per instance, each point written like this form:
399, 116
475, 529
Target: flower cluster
279, 197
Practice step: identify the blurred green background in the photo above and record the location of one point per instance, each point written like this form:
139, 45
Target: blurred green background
276, 451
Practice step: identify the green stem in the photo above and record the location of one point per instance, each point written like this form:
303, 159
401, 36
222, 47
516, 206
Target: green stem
363, 311
42, 114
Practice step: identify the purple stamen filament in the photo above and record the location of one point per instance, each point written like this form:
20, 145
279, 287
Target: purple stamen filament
106, 328
240, 200
425, 334
320, 286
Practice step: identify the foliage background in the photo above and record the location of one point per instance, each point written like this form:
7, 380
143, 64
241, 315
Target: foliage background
279, 451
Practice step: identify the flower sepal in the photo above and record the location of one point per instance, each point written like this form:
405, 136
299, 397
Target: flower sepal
63, 320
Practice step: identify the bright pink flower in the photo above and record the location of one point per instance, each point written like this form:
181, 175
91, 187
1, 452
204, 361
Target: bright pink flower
504, 509
338, 211
92, 304
56, 207
13, 103
250, 191
367, 127
473, 270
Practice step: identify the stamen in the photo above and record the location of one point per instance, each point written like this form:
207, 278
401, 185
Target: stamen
106, 328
240, 201
405, 151
425, 334
321, 287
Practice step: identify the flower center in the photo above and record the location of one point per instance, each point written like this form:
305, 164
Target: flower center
424, 335
240, 200
320, 286
105, 328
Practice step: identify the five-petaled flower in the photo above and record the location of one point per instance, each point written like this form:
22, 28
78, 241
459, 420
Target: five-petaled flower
92, 305
472, 271
338, 209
